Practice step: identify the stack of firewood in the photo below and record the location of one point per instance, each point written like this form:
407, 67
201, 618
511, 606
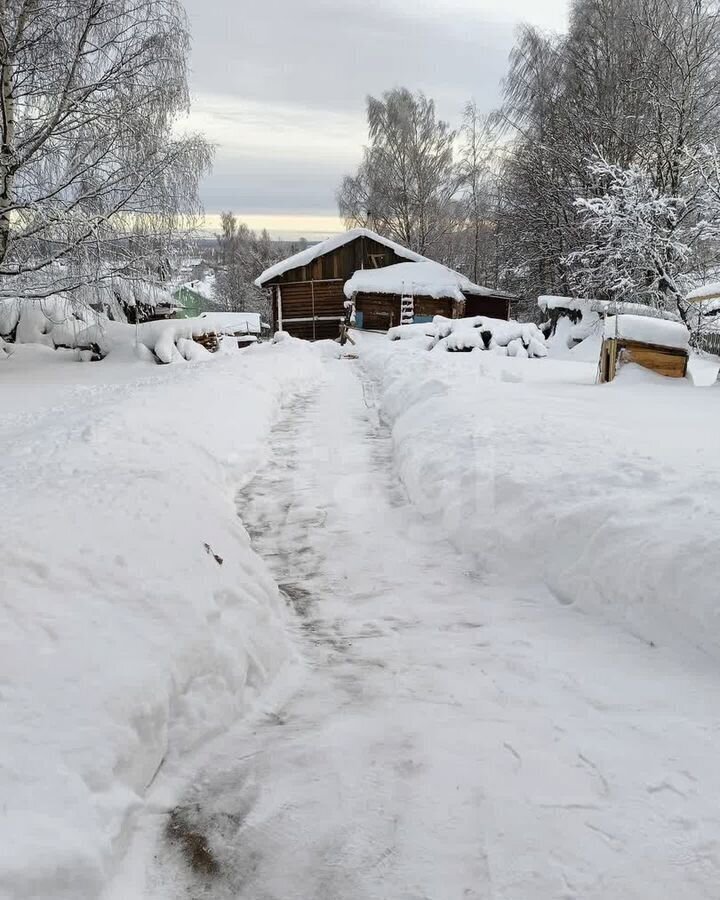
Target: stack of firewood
210, 340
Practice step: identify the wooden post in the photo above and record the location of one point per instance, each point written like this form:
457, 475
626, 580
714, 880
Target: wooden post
279, 308
312, 291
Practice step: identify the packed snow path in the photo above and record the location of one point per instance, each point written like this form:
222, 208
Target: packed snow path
448, 737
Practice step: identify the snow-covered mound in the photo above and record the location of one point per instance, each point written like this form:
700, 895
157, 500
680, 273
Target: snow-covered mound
477, 332
542, 476
135, 620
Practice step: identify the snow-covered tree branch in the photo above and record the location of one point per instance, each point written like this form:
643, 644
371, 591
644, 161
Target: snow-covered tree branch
637, 240
94, 178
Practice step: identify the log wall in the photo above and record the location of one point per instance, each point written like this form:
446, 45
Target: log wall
311, 309
494, 307
362, 253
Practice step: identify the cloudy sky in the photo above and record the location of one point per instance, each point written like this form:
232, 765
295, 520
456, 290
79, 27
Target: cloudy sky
280, 87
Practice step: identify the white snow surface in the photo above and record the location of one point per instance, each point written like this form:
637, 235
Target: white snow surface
499, 674
536, 469
304, 257
428, 278
525, 711
123, 642
648, 330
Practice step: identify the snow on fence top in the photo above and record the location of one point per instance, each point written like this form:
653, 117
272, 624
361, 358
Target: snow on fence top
426, 278
232, 322
608, 307
706, 292
550, 301
305, 257
648, 331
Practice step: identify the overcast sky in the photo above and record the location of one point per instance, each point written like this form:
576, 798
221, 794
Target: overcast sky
280, 87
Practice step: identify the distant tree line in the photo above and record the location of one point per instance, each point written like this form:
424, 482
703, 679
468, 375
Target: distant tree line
598, 175
242, 255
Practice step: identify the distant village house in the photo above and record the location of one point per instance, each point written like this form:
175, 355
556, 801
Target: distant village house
389, 285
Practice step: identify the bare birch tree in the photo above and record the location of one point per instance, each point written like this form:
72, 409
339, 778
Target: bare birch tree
245, 254
93, 178
477, 182
407, 182
633, 81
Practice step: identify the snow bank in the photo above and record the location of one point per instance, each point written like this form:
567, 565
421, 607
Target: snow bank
648, 330
428, 279
604, 495
305, 257
136, 620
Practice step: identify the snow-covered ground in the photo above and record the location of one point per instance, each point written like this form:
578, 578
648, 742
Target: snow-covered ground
498, 673
608, 494
123, 641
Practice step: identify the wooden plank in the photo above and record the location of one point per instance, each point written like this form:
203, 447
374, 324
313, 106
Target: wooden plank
433, 306
494, 307
671, 362
662, 361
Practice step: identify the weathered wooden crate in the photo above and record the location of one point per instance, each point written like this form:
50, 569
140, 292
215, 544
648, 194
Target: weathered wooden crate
668, 361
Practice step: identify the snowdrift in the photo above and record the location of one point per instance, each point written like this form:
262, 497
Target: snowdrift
605, 494
136, 619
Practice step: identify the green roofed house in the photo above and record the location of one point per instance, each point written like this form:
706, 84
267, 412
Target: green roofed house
190, 302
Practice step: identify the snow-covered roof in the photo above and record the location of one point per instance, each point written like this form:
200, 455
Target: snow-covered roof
233, 322
648, 330
205, 287
305, 257
426, 278
706, 292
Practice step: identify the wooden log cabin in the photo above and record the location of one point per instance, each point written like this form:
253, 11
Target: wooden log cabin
309, 290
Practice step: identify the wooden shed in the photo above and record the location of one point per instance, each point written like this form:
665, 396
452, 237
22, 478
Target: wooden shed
652, 343
309, 290
408, 292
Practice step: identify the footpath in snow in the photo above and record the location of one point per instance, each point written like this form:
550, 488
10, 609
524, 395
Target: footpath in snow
461, 727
